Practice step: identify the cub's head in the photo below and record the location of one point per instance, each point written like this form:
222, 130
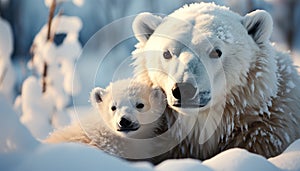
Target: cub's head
129, 108
199, 53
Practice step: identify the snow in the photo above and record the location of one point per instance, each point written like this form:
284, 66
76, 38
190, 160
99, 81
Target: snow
183, 164
289, 159
14, 137
258, 74
49, 111
239, 159
36, 108
291, 84
224, 34
76, 2
7, 74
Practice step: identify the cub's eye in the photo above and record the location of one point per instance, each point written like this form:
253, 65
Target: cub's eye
140, 105
215, 53
167, 55
113, 108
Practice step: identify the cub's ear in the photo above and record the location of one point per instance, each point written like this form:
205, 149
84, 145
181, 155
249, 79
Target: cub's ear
96, 95
259, 25
144, 25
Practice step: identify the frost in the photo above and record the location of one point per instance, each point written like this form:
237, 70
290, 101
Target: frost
282, 67
224, 34
231, 101
291, 84
261, 93
258, 74
289, 70
244, 103
279, 109
287, 137
252, 87
270, 103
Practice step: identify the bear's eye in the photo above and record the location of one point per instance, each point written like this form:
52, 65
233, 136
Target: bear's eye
167, 54
113, 108
215, 53
140, 105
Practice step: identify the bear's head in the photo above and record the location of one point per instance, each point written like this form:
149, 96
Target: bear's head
130, 109
199, 53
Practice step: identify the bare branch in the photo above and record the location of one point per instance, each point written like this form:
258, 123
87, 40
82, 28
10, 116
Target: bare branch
2, 76
44, 77
51, 15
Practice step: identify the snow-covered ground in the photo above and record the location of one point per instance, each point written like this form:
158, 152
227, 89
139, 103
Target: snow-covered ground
19, 151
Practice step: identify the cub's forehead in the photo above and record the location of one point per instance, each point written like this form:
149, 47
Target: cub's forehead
125, 89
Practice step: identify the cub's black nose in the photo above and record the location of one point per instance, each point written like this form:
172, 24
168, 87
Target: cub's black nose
183, 91
127, 125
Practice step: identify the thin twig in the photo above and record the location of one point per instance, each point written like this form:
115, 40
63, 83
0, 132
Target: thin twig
45, 69
51, 15
55, 25
2, 76
44, 77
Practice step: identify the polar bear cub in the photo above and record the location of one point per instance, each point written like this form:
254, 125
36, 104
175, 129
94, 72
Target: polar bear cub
129, 114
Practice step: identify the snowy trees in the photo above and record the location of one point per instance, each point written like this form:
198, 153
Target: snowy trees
7, 74
46, 94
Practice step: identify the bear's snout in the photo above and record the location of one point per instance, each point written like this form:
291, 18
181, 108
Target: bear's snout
183, 91
125, 124
185, 95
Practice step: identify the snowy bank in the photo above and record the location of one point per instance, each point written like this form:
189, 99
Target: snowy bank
19, 151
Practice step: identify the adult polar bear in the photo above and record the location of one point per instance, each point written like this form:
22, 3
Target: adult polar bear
219, 69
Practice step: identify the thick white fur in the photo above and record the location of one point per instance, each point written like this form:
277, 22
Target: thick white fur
255, 103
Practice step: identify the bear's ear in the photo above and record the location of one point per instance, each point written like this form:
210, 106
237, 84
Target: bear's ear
144, 25
259, 25
157, 94
96, 96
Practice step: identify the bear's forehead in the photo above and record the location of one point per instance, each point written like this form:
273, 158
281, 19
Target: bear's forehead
210, 9
199, 24
203, 17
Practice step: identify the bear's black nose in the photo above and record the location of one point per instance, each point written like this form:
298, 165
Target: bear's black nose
127, 125
183, 91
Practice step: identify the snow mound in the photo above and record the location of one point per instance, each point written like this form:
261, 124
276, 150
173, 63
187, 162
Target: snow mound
182, 164
289, 159
13, 135
239, 159
71, 157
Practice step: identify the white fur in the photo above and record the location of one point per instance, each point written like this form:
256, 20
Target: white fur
246, 82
